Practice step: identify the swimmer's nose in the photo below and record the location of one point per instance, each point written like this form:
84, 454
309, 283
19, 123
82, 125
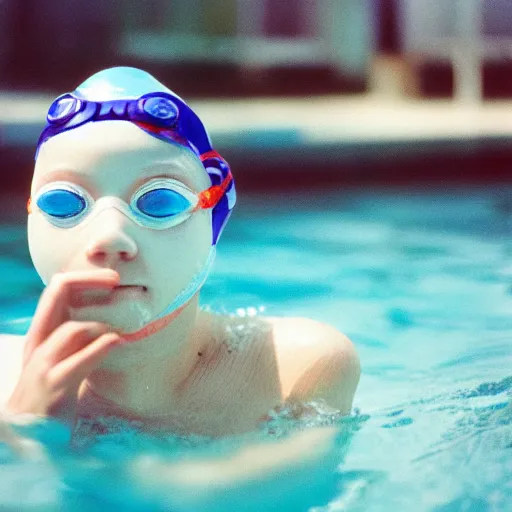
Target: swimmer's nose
112, 243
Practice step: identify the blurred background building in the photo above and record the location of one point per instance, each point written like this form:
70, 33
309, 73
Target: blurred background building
207, 47
382, 67
262, 47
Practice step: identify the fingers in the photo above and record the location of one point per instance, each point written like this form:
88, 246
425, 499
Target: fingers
53, 307
79, 365
50, 380
68, 338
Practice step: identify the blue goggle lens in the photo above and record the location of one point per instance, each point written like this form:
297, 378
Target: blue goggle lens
162, 202
61, 203
63, 108
161, 108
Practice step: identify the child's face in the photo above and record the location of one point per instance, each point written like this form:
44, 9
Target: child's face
115, 158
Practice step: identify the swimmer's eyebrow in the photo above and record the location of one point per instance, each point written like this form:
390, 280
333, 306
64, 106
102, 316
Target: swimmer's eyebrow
62, 175
165, 168
138, 183
150, 172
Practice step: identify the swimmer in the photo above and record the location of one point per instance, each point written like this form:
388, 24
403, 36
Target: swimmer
127, 204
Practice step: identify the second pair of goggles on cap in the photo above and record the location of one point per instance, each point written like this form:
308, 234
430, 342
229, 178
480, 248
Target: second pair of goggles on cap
161, 203
70, 111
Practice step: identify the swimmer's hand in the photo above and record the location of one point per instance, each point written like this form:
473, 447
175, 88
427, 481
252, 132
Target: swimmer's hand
59, 353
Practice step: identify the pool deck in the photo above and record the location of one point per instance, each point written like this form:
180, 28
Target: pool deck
325, 128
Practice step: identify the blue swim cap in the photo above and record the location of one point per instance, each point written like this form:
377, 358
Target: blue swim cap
130, 94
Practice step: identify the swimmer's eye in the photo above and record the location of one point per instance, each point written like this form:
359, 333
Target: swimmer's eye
61, 203
162, 203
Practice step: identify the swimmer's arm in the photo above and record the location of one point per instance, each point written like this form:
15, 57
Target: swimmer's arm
11, 357
267, 472
316, 362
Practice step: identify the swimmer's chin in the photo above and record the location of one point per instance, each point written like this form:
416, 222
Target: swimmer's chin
122, 319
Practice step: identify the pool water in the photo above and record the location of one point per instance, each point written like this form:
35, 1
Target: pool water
420, 280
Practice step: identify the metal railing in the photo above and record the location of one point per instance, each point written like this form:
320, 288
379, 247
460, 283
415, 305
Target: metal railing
454, 30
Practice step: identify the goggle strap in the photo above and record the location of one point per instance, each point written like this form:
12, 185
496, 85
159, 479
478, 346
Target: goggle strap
210, 154
166, 133
153, 327
210, 197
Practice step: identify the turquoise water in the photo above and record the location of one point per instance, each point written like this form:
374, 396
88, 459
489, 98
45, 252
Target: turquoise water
420, 280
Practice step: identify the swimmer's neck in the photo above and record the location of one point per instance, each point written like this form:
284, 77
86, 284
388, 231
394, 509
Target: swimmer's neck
148, 378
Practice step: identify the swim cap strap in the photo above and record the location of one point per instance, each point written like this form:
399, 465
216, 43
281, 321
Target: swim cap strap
153, 327
176, 306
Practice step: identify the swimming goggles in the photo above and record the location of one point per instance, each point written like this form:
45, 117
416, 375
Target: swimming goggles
160, 203
160, 113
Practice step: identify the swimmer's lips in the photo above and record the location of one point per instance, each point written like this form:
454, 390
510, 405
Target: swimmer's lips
105, 297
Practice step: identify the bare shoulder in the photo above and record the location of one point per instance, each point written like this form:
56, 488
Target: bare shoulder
285, 360
11, 356
316, 361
